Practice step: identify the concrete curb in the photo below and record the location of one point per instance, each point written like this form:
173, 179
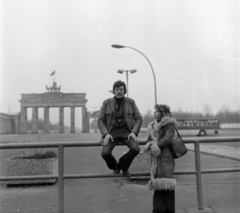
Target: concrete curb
217, 155
231, 153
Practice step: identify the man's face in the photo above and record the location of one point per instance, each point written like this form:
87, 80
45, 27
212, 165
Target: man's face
119, 92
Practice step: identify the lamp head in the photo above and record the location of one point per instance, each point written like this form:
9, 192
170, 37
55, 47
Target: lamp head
117, 46
120, 71
133, 71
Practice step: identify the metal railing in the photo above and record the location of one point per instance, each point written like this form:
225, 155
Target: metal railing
61, 176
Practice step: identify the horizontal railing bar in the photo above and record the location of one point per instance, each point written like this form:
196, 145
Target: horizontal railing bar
75, 176
183, 172
135, 174
81, 176
220, 170
100, 175
218, 139
94, 143
33, 177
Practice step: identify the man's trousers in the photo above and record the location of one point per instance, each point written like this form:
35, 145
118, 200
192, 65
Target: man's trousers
120, 135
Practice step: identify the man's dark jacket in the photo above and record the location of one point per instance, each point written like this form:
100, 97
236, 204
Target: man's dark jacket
132, 116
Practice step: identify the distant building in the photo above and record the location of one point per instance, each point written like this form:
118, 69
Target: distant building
9, 123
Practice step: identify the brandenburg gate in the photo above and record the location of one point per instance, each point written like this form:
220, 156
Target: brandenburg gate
53, 98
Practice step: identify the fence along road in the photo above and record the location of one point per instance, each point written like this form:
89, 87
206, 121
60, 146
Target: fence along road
61, 176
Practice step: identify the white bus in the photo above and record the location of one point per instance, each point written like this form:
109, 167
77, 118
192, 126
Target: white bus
199, 127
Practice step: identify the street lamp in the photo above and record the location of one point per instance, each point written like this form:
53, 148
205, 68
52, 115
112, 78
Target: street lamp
155, 86
131, 71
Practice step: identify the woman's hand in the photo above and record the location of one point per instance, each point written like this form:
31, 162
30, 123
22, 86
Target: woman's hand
155, 150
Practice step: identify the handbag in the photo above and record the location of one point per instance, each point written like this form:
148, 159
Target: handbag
178, 147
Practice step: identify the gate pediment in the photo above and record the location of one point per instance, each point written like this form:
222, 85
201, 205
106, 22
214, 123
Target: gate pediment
52, 96
53, 99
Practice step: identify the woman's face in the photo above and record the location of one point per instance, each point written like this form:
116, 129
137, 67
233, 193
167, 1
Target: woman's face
158, 114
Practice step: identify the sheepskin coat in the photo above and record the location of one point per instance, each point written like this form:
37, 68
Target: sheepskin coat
158, 144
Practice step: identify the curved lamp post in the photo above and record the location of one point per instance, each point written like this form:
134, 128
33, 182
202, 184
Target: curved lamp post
131, 71
155, 86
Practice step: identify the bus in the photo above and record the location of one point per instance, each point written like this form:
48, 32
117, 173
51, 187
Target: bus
199, 127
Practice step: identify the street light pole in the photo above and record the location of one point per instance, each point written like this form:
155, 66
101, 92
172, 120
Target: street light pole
155, 86
131, 71
127, 83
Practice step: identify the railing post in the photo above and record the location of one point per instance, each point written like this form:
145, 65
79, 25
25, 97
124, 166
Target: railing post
60, 179
198, 175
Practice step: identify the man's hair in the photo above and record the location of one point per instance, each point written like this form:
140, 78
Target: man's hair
118, 84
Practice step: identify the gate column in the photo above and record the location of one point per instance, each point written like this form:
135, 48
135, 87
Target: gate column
35, 120
23, 120
72, 120
61, 119
46, 120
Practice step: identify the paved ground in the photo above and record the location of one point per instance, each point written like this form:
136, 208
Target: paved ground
117, 195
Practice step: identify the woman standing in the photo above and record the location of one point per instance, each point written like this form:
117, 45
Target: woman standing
161, 134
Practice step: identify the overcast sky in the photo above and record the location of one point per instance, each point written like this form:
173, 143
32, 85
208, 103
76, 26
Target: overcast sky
193, 47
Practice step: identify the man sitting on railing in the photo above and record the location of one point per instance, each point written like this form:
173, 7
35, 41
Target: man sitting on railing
119, 121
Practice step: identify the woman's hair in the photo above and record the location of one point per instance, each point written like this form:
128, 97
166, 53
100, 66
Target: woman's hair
118, 84
163, 107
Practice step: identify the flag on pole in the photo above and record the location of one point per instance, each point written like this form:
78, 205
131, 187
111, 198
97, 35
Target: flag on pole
53, 73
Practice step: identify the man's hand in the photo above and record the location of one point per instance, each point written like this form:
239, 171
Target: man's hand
106, 139
133, 136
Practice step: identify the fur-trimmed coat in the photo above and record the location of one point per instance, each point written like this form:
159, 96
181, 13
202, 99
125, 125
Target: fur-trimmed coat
162, 169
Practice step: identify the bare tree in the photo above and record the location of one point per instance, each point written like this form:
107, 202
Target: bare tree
207, 111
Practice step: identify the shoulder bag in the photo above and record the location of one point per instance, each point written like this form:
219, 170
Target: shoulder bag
178, 147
